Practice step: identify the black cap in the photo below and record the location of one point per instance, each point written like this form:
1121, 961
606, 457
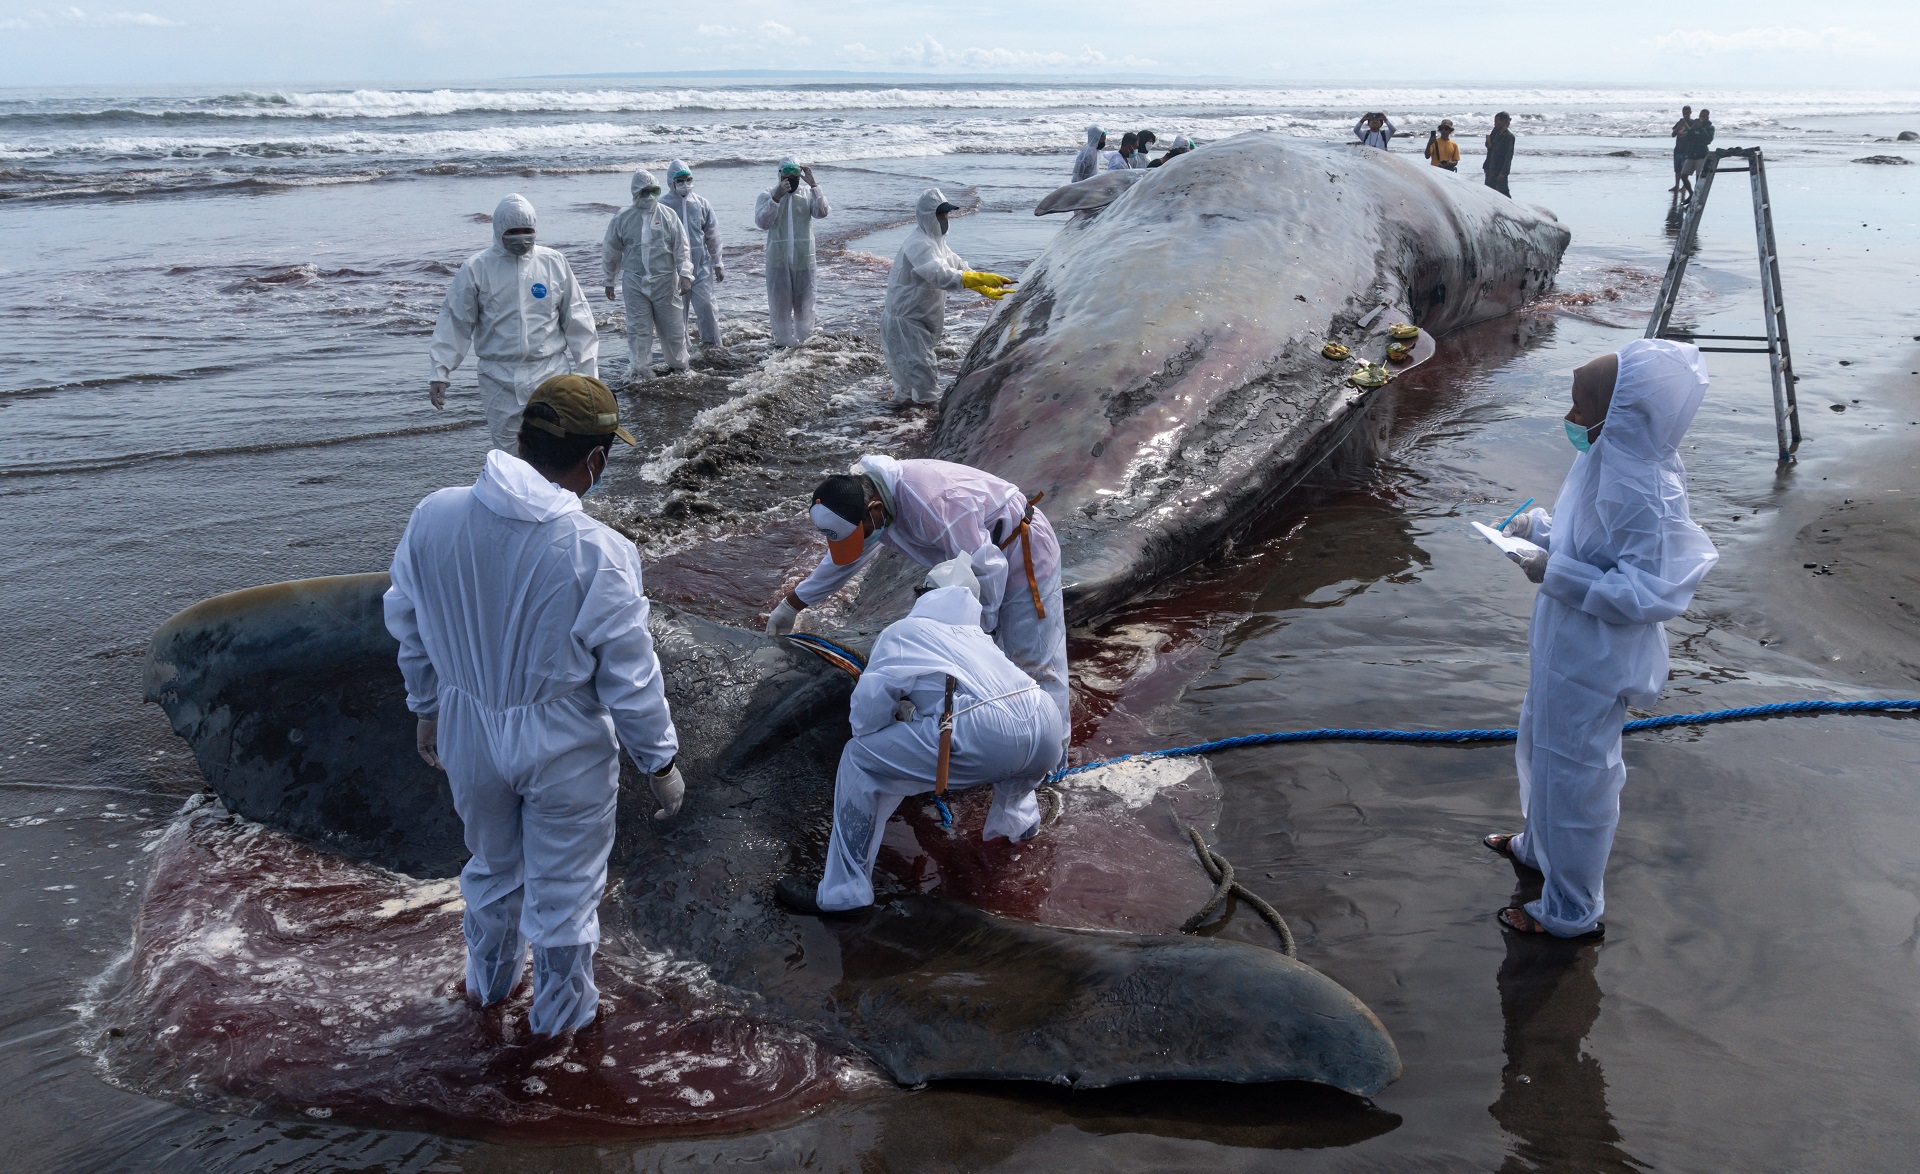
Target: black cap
844, 495
946, 208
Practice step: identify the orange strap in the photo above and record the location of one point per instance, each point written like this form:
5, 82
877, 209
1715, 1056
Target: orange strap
1024, 533
946, 742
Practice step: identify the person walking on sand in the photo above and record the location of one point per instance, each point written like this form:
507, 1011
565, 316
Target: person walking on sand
1679, 131
1499, 161
519, 309
1696, 142
1618, 557
1442, 151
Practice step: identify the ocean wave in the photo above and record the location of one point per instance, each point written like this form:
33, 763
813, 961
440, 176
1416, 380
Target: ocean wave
441, 102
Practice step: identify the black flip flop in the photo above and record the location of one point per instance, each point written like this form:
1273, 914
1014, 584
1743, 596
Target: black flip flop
1595, 934
1504, 847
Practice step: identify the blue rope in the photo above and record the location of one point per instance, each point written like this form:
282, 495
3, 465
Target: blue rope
1456, 736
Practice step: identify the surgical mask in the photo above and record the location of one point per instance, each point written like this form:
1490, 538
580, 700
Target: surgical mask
517, 244
943, 225
682, 186
1578, 436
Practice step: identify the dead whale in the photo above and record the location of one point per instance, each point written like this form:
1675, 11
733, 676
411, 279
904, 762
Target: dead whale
291, 701
1158, 374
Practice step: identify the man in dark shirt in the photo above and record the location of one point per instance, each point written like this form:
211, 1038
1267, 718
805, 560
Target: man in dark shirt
1694, 143
1499, 160
1680, 129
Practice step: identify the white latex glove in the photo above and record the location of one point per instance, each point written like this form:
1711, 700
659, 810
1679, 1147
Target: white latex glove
904, 711
780, 620
437, 392
426, 739
719, 275
1533, 563
670, 790
1520, 527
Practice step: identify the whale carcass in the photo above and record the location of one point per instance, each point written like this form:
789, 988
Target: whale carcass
1158, 374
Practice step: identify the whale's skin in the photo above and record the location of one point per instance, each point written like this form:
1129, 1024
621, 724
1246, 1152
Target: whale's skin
1158, 373
292, 701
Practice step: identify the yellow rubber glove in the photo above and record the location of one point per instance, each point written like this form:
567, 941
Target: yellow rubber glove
990, 285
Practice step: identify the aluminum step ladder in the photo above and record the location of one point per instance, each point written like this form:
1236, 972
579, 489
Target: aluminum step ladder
1786, 407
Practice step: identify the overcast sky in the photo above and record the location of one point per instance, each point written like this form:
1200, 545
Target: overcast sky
1757, 43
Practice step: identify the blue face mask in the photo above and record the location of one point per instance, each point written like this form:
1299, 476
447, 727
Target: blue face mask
1578, 436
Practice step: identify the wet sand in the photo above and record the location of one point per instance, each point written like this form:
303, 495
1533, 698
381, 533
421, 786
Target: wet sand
1752, 1008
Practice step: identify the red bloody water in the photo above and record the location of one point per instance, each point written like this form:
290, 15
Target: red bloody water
266, 970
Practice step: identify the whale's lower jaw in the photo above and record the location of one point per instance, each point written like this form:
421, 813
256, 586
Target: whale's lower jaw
292, 701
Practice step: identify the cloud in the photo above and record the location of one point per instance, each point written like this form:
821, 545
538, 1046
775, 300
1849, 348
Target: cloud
927, 53
1701, 43
39, 19
766, 33
857, 52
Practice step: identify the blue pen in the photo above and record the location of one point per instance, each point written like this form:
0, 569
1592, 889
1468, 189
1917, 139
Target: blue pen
1514, 514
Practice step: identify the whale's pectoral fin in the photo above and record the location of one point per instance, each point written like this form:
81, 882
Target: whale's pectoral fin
933, 990
1096, 191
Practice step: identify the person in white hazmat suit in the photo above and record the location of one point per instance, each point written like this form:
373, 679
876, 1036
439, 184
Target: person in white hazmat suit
1619, 555
914, 316
524, 645
518, 308
933, 511
787, 215
703, 240
645, 251
1087, 163
1006, 734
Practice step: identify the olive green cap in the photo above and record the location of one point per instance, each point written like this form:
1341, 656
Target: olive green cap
584, 404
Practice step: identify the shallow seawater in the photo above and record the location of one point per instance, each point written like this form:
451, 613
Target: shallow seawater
267, 420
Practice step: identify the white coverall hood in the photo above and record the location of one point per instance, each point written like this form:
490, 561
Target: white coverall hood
513, 212
926, 212
641, 179
514, 489
1624, 555
955, 572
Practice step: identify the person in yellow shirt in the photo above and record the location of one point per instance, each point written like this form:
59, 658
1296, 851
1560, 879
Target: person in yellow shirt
1442, 151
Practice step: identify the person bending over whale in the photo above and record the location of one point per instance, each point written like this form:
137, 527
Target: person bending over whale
932, 511
524, 645
1006, 733
1619, 556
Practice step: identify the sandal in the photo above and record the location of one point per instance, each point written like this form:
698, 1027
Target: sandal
1501, 844
1517, 919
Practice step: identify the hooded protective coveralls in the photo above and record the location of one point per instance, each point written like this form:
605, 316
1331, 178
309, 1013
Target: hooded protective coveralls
645, 249
1087, 163
703, 240
1005, 733
941, 510
788, 222
1623, 556
522, 625
915, 313
525, 318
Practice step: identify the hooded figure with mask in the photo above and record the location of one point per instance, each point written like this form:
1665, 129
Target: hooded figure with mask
1618, 557
1087, 163
1005, 733
703, 238
645, 250
932, 511
915, 313
518, 308
787, 214
524, 645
